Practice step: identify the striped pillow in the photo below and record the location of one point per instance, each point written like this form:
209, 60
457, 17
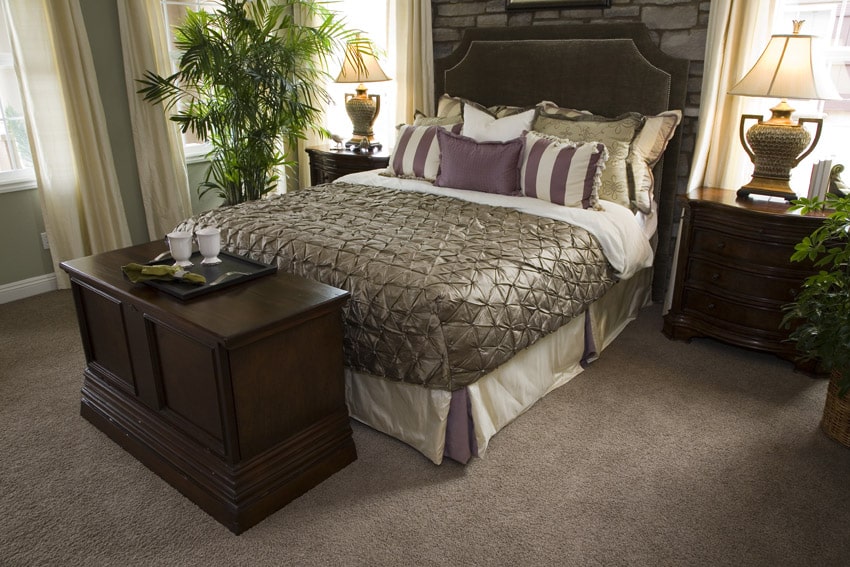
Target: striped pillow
416, 153
561, 171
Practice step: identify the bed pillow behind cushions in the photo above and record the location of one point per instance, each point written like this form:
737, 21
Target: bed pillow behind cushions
482, 126
646, 150
489, 167
416, 153
561, 171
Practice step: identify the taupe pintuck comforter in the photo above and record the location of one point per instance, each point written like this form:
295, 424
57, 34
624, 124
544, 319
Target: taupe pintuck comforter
442, 290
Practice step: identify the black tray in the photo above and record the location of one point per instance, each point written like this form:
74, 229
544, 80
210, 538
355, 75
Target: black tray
229, 263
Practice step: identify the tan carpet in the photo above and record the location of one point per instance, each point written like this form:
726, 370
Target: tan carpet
661, 453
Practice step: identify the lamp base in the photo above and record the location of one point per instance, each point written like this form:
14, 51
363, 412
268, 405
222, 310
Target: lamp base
768, 187
363, 144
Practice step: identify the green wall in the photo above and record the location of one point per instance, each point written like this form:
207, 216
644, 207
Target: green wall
21, 222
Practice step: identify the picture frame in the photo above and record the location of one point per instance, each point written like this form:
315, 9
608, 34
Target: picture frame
532, 4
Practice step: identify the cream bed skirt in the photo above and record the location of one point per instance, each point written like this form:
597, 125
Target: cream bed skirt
419, 416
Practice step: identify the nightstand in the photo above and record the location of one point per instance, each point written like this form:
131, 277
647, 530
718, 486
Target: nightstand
733, 271
327, 164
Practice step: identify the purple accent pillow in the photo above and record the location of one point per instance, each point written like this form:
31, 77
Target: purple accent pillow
489, 167
561, 171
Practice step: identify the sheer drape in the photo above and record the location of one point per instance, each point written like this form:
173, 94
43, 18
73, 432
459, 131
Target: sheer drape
738, 30
159, 145
414, 56
78, 188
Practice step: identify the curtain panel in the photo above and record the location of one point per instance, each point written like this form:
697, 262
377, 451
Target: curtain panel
77, 184
738, 30
158, 142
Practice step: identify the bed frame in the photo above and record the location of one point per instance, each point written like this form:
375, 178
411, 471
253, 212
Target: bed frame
607, 69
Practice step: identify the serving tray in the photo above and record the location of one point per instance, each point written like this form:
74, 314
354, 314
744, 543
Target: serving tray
218, 276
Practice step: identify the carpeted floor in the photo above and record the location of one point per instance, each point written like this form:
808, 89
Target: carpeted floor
661, 453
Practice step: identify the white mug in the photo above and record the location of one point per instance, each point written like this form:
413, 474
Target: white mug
209, 243
180, 244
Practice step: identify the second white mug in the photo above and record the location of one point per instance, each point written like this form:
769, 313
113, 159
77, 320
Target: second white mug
209, 243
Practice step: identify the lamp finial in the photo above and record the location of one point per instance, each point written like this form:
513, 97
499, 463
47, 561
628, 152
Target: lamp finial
797, 25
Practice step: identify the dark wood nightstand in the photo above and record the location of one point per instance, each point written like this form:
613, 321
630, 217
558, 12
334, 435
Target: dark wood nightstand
733, 271
327, 164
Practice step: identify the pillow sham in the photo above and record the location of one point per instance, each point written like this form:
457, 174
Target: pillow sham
617, 135
489, 167
416, 153
562, 171
482, 126
420, 119
646, 151
452, 106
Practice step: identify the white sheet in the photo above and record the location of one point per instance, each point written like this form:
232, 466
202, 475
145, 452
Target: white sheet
618, 231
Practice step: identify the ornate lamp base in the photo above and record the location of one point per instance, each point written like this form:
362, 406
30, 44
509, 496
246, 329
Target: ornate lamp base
768, 187
775, 148
362, 109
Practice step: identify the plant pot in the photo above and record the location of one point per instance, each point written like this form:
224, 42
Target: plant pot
836, 412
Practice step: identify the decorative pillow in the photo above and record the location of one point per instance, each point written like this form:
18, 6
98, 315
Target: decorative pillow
561, 171
449, 106
482, 126
617, 135
452, 106
646, 150
416, 153
489, 167
420, 119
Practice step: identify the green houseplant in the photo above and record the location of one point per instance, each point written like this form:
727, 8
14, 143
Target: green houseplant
819, 317
249, 82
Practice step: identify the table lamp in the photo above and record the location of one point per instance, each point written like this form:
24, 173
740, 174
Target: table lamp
784, 70
361, 66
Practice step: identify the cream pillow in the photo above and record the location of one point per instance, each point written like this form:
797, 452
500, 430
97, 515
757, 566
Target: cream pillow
482, 126
647, 149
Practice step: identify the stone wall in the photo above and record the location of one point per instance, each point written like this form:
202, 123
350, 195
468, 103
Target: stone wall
677, 26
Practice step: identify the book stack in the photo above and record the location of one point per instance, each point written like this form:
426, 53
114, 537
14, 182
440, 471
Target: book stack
819, 182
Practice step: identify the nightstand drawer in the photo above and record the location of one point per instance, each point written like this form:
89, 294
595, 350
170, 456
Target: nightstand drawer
744, 284
721, 245
754, 319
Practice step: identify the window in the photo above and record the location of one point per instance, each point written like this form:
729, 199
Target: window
830, 21
371, 17
16, 166
174, 12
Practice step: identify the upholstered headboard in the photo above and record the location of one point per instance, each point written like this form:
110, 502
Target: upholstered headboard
607, 69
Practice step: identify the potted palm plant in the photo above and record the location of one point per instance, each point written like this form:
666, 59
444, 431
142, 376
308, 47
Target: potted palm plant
819, 317
249, 81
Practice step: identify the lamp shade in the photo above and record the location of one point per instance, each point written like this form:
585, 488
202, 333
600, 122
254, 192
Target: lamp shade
785, 70
360, 67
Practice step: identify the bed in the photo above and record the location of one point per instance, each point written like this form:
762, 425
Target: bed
470, 303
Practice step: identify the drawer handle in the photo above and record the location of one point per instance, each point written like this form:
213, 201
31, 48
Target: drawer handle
721, 245
715, 276
711, 306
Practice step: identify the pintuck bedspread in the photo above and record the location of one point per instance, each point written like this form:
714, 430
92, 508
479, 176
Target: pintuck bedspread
442, 290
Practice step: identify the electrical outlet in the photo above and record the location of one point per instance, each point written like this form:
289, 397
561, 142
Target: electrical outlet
44, 242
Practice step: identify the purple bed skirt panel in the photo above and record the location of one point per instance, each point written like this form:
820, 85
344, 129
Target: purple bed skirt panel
461, 444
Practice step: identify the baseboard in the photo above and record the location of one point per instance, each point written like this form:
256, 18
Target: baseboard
27, 288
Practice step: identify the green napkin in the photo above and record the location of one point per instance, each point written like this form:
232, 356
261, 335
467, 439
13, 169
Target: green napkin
141, 272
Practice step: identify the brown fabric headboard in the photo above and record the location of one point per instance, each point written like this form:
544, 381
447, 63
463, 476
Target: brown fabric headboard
607, 69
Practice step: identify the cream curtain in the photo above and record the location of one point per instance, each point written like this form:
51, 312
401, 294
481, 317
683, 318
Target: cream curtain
738, 30
414, 55
159, 145
80, 198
